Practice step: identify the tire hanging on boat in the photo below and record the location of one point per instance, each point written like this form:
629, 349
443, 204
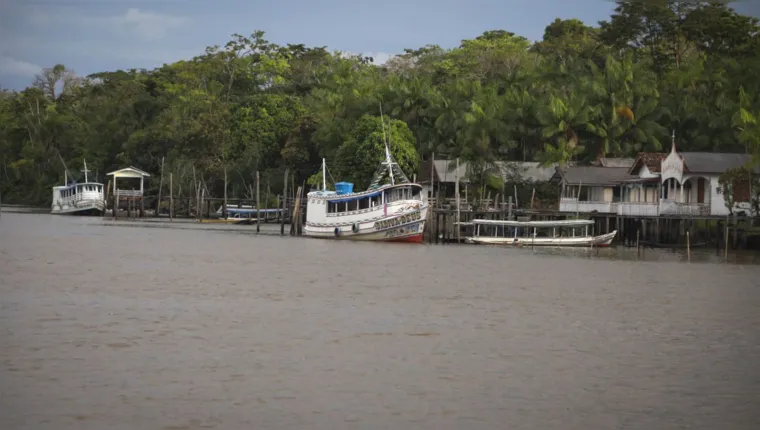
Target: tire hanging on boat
355, 227
337, 231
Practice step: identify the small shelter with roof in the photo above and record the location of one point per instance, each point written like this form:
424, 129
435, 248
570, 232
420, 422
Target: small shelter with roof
129, 173
129, 191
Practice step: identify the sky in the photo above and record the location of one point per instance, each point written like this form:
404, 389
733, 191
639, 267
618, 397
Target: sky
89, 36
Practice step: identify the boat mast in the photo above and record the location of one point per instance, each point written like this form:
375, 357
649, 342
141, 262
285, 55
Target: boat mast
387, 151
85, 171
324, 175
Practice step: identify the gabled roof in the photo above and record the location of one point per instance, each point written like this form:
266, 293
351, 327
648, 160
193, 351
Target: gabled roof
593, 175
653, 161
446, 171
616, 162
714, 162
128, 172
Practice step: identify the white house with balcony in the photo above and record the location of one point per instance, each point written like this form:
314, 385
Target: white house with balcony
675, 184
641, 192
591, 188
689, 183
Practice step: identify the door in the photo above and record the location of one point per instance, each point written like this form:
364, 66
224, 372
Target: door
700, 190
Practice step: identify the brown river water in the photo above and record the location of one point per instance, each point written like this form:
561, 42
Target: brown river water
145, 325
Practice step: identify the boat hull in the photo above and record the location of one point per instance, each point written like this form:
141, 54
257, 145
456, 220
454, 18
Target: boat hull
402, 226
601, 240
79, 207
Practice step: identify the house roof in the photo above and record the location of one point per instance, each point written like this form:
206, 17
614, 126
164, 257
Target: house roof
712, 162
128, 172
446, 171
616, 162
653, 161
593, 175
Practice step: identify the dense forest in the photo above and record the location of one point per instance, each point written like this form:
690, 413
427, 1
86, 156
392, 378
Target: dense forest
615, 89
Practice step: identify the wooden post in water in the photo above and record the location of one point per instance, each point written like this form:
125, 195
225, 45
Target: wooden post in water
688, 246
456, 193
115, 204
171, 197
258, 204
296, 215
160, 187
266, 204
284, 202
725, 240
203, 197
638, 247
224, 203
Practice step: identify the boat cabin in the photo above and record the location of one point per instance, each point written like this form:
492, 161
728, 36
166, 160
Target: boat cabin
344, 202
78, 192
529, 229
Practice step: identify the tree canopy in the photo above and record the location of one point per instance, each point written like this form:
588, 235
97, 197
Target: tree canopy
581, 92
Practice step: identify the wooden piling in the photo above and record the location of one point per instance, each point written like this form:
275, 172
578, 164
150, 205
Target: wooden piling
224, 203
725, 239
258, 204
688, 246
456, 193
638, 244
171, 197
284, 202
160, 187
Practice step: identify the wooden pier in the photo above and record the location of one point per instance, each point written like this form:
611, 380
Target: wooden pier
633, 231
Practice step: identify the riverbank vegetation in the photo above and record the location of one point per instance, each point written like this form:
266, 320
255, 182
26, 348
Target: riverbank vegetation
581, 92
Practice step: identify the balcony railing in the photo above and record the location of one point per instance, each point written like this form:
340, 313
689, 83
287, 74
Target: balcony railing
670, 207
570, 204
638, 209
129, 193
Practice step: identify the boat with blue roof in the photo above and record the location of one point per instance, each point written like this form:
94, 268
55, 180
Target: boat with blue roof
391, 209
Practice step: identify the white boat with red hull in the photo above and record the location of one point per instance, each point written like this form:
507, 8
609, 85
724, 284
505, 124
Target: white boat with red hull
391, 212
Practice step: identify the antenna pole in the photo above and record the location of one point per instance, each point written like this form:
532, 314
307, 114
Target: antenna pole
387, 151
324, 175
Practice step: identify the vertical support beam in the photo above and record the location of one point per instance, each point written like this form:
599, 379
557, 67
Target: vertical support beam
258, 204
284, 202
224, 204
171, 198
456, 192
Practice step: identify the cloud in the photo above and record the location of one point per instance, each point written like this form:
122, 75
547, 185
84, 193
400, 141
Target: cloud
379, 58
148, 26
14, 67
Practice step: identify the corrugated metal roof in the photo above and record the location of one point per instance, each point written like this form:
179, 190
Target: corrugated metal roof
653, 161
446, 171
713, 162
593, 175
616, 162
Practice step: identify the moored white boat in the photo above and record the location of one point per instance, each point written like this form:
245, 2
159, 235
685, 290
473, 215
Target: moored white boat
392, 212
537, 233
72, 198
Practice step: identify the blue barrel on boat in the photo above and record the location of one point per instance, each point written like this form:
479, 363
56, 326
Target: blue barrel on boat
344, 188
